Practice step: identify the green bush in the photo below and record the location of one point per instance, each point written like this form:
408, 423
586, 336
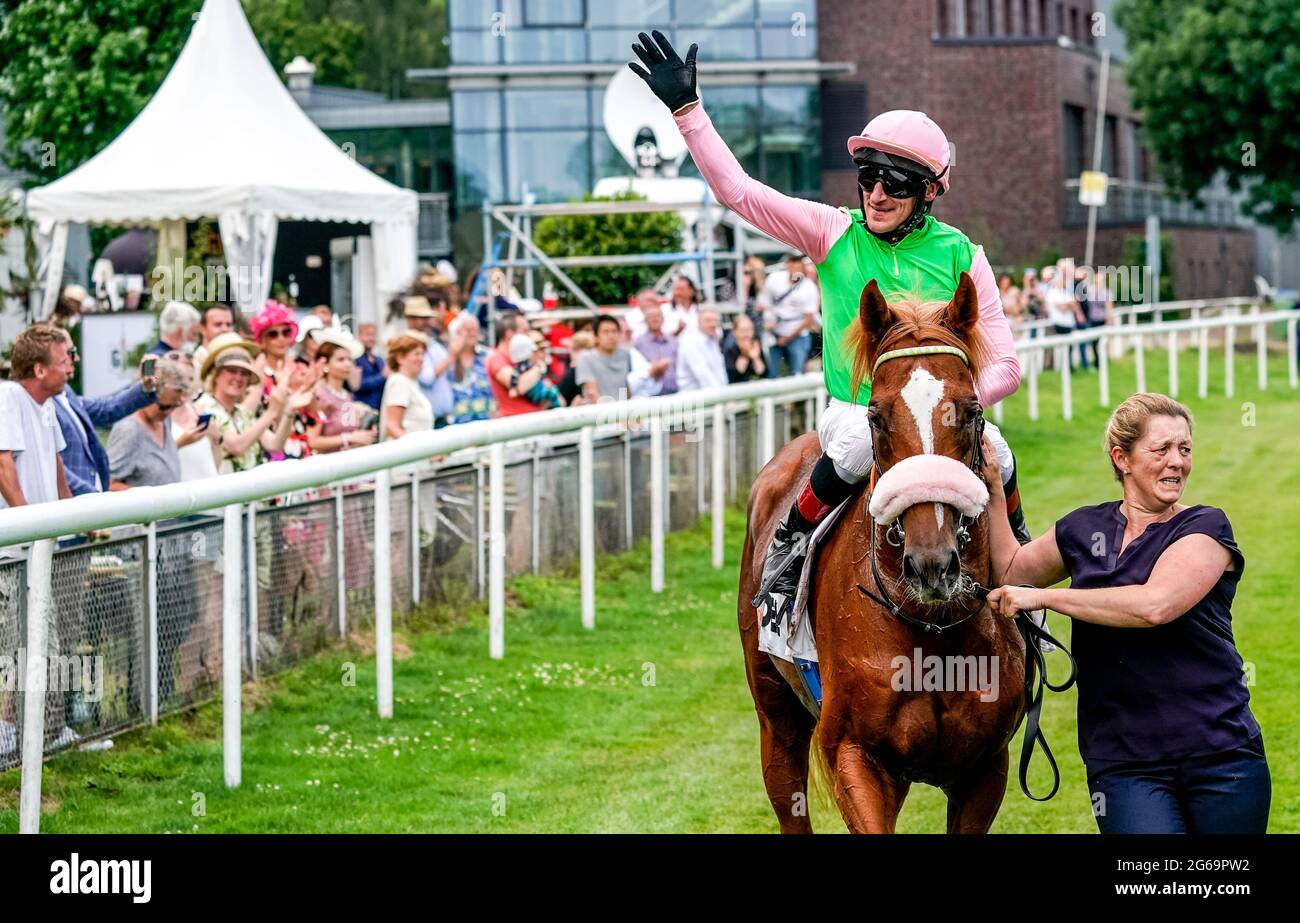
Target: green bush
588, 235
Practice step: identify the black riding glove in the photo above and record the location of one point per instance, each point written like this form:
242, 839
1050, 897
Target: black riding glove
670, 78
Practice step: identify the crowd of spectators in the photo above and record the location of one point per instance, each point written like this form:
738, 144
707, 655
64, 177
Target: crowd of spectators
1058, 299
218, 393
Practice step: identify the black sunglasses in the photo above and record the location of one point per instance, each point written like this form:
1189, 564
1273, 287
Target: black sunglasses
898, 184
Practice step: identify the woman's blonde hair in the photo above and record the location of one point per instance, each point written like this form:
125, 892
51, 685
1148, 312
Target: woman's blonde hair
583, 339
1129, 422
402, 344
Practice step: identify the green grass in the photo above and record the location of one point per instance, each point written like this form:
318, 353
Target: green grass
645, 724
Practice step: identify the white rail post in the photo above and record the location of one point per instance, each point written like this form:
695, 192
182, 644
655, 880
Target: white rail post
340, 558
415, 539
587, 526
1140, 361
535, 506
1067, 396
1261, 355
1196, 316
40, 608
1103, 369
1291, 363
701, 485
820, 406
998, 412
1229, 353
497, 551
251, 625
1203, 363
767, 430
719, 496
151, 619
1033, 386
384, 593
732, 465
657, 504
232, 597
1173, 364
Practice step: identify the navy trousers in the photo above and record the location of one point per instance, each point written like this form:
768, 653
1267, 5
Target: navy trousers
1226, 792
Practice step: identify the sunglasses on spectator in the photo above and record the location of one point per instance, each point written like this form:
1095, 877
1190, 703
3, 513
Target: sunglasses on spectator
167, 408
898, 184
276, 332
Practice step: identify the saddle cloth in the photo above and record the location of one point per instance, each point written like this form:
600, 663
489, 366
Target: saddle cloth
796, 639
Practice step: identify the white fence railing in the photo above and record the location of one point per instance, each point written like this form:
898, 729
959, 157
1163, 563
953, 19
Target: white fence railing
236, 569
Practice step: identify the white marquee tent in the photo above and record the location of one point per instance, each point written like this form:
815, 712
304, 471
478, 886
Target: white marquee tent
223, 138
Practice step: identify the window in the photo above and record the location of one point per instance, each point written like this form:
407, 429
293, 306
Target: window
969, 24
786, 12
1110, 163
1135, 153
1007, 23
546, 46
715, 13
471, 14
553, 13
479, 167
783, 42
638, 13
1073, 141
555, 165
941, 16
1042, 18
1024, 18
1074, 23
725, 44
549, 109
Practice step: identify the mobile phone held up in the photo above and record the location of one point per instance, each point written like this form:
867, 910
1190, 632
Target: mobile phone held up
149, 367
204, 420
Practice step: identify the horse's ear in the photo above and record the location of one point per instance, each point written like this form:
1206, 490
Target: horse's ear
964, 310
873, 311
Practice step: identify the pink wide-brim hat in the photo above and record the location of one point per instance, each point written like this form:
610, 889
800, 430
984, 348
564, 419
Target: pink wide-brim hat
273, 314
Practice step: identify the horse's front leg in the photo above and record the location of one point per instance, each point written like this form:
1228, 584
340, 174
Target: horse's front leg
974, 800
869, 797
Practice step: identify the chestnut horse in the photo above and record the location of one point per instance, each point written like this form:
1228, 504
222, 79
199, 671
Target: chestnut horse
877, 740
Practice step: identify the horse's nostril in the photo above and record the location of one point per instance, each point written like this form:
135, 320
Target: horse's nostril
909, 569
954, 566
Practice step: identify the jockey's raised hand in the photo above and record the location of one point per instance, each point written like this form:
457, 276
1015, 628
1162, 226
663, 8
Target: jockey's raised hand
670, 78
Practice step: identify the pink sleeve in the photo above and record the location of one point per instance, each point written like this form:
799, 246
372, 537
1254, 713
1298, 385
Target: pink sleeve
810, 227
1001, 374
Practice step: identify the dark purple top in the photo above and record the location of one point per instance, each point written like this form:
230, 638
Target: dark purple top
655, 347
1163, 693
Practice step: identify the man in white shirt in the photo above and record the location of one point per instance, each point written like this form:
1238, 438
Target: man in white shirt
699, 355
790, 302
30, 439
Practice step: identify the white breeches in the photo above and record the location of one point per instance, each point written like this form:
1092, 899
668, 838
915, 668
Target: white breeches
845, 436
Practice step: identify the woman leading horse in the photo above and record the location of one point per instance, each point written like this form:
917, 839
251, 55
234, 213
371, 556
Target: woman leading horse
903, 162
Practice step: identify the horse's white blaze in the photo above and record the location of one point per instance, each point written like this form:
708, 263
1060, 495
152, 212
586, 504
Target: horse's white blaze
922, 394
938, 514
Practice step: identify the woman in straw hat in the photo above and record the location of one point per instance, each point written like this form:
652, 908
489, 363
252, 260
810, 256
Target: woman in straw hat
228, 376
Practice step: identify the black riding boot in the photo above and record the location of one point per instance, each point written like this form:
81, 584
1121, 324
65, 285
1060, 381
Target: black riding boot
825, 490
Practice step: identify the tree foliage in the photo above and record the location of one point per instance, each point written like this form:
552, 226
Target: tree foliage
1218, 83
74, 74
587, 235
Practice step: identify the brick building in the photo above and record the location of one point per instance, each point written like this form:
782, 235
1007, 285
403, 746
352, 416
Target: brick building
1013, 83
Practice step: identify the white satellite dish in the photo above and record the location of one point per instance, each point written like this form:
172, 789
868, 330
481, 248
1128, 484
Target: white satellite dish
630, 107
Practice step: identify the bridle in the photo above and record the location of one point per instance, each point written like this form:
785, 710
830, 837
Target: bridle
894, 533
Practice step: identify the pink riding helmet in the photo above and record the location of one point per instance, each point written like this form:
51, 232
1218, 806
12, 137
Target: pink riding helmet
911, 134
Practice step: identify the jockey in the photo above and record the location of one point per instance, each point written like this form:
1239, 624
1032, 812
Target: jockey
903, 162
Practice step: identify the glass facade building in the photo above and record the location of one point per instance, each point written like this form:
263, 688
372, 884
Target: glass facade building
517, 127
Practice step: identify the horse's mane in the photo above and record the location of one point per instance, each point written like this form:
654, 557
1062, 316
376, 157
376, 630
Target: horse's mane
917, 320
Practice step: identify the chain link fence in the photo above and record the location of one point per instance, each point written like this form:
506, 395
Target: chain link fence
133, 637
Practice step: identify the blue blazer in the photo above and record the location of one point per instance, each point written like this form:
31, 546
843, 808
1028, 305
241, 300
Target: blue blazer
84, 457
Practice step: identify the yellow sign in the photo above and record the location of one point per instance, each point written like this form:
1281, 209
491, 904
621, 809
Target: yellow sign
1092, 188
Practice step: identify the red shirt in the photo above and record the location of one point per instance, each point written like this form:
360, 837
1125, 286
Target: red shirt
507, 405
